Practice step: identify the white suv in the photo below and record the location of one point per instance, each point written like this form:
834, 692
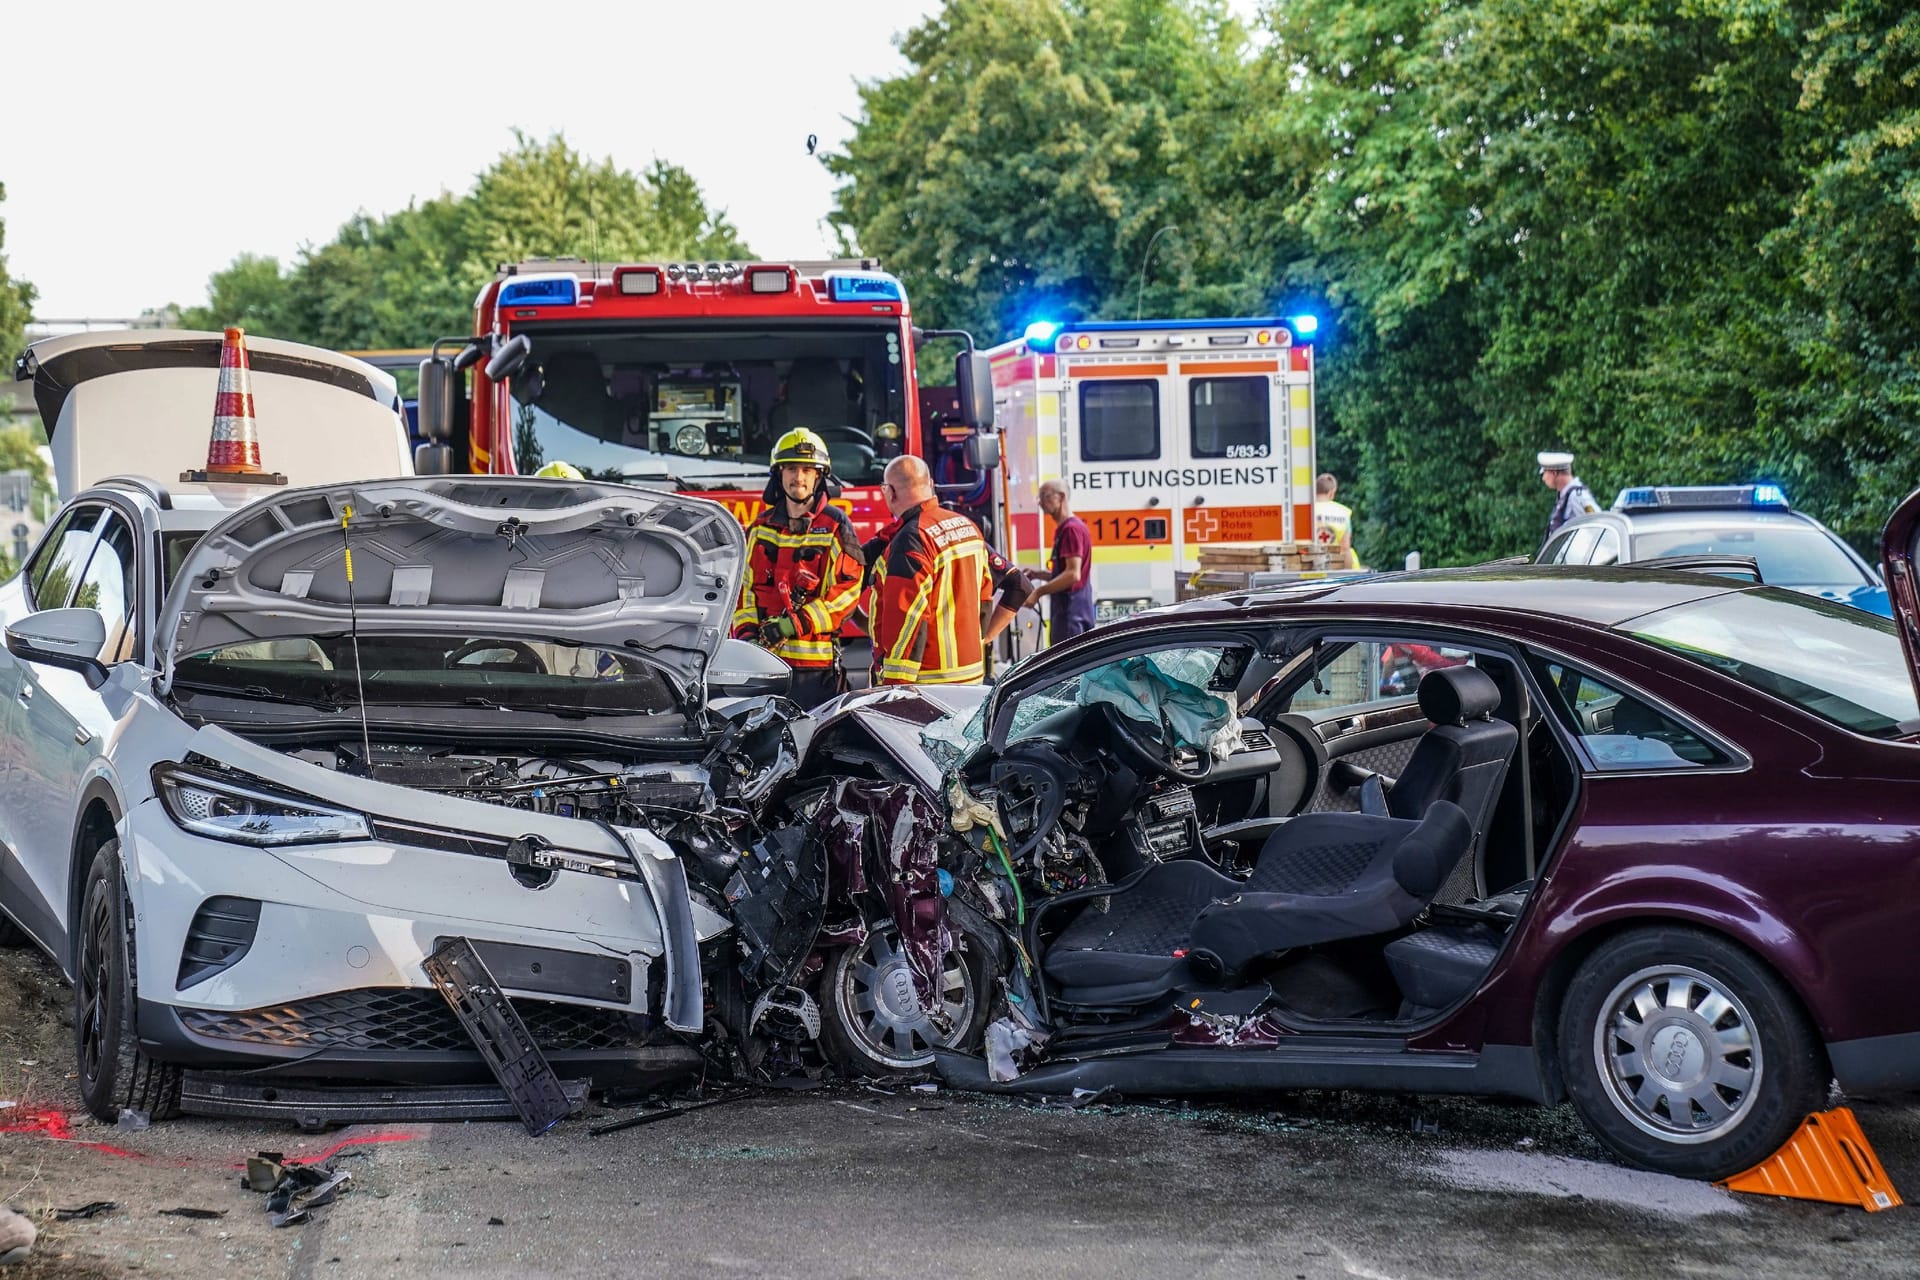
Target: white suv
246, 790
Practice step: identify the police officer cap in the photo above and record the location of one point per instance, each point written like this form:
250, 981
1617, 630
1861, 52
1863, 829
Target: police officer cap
1555, 461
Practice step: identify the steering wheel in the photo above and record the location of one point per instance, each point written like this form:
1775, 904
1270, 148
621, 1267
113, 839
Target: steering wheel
1144, 753
524, 658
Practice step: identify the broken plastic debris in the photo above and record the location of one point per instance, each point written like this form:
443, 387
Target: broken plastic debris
188, 1211
1423, 1125
926, 1086
1004, 1039
90, 1210
132, 1121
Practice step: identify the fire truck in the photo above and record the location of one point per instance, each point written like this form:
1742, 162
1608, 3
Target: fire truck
682, 375
1173, 435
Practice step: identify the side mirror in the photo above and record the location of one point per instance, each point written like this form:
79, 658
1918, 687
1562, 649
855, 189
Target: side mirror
432, 460
68, 638
743, 670
438, 386
973, 380
983, 451
507, 360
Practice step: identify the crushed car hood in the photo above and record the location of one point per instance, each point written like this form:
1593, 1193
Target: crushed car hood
497, 556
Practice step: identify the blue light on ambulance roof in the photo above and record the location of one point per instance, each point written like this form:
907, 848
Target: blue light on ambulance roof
540, 291
845, 286
1041, 333
1769, 495
1304, 325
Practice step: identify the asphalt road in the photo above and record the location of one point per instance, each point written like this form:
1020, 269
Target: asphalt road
850, 1181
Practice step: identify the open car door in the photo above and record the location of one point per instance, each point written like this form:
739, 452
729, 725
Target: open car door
1898, 560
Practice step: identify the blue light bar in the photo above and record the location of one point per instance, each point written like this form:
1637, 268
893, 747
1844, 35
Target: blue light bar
1041, 333
845, 286
1702, 497
540, 291
1305, 325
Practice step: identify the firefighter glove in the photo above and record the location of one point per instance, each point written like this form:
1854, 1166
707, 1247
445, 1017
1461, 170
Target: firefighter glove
774, 630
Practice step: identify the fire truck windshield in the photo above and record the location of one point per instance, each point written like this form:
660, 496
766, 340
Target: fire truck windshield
700, 408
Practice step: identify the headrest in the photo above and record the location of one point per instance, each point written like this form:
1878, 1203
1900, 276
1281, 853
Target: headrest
1454, 695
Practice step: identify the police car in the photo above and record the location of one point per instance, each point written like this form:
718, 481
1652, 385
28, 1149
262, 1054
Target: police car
1789, 548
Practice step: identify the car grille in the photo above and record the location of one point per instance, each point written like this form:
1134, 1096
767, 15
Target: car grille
405, 1018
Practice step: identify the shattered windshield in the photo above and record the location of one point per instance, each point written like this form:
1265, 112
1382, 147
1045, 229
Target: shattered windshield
701, 408
1170, 691
434, 671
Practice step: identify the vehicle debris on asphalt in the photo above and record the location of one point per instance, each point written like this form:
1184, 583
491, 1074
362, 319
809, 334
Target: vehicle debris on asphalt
293, 1189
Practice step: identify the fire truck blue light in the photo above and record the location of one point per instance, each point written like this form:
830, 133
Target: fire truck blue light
1305, 325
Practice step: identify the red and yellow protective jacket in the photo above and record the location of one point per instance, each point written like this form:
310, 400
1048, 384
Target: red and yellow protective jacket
928, 591
811, 575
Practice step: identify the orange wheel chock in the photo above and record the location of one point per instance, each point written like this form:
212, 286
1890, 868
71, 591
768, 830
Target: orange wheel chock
1828, 1159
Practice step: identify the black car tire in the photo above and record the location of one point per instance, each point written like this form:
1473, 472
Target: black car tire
1726, 998
113, 1073
851, 1039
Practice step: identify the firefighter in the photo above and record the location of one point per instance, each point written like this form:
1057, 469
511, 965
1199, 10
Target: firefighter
803, 568
1011, 589
930, 586
559, 471
1574, 498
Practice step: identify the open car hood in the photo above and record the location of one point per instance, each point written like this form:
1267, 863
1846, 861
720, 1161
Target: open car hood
140, 402
498, 556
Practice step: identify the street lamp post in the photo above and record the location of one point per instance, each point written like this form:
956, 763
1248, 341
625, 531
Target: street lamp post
1140, 295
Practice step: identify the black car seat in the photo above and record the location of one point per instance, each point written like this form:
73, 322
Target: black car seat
816, 397
1463, 758
1321, 878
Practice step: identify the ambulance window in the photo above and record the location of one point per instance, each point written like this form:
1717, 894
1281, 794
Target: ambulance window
1119, 421
1230, 418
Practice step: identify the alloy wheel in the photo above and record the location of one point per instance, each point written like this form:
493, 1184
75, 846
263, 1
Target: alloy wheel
96, 986
1678, 1053
880, 1003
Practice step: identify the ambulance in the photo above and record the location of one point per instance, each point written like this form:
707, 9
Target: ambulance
1172, 434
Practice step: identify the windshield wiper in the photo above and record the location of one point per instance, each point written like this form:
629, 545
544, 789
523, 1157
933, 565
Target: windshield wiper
259, 692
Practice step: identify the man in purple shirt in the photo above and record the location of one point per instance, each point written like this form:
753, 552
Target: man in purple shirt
1068, 577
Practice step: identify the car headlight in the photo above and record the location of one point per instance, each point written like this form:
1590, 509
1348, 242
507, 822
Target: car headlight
225, 811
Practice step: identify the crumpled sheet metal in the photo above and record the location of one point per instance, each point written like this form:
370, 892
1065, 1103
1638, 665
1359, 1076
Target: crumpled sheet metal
1169, 691
902, 829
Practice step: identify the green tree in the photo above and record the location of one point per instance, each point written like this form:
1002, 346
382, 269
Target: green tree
1025, 161
20, 451
409, 277
16, 303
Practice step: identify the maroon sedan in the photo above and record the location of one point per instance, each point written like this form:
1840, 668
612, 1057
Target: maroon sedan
1640, 839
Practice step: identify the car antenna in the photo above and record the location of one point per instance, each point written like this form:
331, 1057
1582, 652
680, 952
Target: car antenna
353, 629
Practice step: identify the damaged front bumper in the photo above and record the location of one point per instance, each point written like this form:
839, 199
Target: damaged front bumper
308, 960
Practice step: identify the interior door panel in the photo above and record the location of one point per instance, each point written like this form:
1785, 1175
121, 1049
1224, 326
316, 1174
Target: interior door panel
1379, 740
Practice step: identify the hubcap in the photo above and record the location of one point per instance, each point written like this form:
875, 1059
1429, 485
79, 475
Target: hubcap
1679, 1054
879, 1002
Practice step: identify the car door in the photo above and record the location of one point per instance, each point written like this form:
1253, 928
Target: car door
1899, 556
63, 719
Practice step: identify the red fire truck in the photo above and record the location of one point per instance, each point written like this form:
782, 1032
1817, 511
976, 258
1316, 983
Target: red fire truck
682, 375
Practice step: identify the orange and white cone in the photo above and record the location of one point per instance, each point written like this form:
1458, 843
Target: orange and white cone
234, 448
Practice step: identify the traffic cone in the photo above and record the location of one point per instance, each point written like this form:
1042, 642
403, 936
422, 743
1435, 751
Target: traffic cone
233, 449
1827, 1159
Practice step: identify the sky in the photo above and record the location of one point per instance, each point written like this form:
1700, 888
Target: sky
146, 145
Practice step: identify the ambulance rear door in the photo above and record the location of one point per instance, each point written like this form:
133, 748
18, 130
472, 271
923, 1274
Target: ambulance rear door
1240, 461
1116, 401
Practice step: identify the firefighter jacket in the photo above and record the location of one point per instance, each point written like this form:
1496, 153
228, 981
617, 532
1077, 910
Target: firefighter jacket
929, 588
812, 576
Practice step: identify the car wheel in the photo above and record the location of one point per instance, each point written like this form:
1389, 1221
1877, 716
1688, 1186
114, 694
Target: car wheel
1686, 1055
872, 1020
113, 1072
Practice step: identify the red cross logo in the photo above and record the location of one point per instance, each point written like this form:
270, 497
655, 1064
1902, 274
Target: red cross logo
1201, 526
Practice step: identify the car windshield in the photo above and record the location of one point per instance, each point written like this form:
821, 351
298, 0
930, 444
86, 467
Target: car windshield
485, 672
701, 408
1790, 554
1839, 663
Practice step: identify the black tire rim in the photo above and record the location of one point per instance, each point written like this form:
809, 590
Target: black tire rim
96, 987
